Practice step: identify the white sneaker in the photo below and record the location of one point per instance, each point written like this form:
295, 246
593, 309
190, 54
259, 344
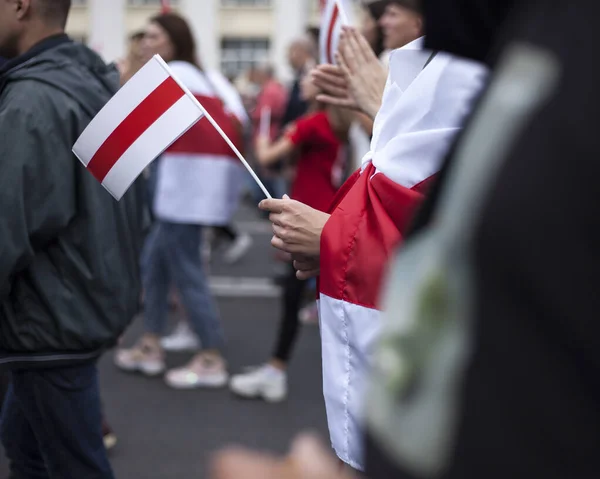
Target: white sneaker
264, 382
181, 339
199, 373
141, 358
238, 248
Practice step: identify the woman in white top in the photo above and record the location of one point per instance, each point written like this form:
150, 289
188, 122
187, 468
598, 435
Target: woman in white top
197, 184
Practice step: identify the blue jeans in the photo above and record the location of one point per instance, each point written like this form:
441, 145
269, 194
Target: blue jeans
172, 257
51, 425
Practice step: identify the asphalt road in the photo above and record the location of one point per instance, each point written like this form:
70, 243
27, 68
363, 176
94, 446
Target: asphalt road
167, 434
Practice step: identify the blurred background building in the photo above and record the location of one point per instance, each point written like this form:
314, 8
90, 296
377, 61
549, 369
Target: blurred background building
232, 34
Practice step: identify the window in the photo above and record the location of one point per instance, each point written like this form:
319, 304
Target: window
246, 3
238, 54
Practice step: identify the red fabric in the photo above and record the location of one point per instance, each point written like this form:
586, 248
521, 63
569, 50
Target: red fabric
319, 150
202, 138
274, 96
133, 126
364, 230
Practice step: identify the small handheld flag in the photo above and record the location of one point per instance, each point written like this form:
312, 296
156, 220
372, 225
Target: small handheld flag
147, 115
334, 14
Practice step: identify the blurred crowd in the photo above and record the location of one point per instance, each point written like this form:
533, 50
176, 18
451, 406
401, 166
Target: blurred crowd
434, 186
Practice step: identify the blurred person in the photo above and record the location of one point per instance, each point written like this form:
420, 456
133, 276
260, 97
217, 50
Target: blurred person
272, 95
66, 291
426, 100
135, 59
319, 138
302, 56
197, 185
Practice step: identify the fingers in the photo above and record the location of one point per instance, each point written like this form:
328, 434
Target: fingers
334, 101
304, 275
330, 78
354, 54
273, 205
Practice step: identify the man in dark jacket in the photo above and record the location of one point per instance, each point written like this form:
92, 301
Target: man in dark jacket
69, 282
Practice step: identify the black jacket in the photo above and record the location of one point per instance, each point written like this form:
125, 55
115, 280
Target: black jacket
69, 253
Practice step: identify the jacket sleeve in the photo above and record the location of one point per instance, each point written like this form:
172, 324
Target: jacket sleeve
37, 175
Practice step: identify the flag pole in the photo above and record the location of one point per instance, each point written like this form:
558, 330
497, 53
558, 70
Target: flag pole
216, 127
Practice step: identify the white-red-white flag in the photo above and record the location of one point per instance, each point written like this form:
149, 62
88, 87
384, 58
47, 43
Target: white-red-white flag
334, 14
142, 120
165, 6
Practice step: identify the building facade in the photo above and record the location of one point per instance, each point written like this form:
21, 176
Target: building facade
232, 34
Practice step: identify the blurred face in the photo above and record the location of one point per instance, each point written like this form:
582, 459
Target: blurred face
369, 28
12, 12
297, 57
157, 42
308, 90
400, 26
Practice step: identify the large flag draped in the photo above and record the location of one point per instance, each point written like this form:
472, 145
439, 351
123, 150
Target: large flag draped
423, 110
334, 14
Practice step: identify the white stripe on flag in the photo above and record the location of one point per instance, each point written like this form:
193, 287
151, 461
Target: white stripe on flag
157, 138
149, 77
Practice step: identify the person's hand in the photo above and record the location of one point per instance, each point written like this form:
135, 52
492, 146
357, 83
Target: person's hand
297, 227
306, 266
308, 459
331, 79
364, 75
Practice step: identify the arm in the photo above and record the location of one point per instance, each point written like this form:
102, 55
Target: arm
37, 177
268, 153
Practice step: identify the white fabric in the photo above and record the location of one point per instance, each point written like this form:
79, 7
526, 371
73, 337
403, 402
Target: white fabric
200, 188
348, 336
422, 111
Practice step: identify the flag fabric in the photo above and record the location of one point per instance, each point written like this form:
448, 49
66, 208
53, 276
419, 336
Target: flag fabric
143, 119
371, 213
165, 6
334, 14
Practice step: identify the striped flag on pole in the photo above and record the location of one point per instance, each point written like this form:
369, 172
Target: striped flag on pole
147, 115
334, 14
142, 120
165, 6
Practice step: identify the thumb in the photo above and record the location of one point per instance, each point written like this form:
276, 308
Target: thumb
286, 197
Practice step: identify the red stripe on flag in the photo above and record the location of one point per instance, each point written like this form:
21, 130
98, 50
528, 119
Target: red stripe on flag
362, 234
334, 17
165, 6
131, 128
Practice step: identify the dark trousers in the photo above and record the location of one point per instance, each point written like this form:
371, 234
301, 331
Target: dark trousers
51, 424
293, 293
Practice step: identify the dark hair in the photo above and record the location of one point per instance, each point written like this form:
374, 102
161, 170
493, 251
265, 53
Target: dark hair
415, 5
55, 11
181, 37
376, 9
